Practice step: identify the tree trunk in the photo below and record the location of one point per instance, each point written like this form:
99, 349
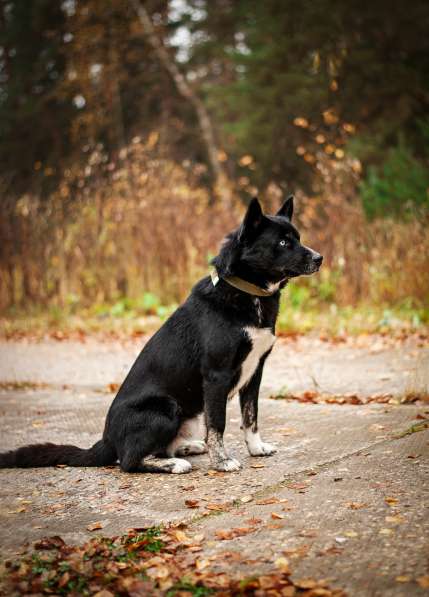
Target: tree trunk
222, 184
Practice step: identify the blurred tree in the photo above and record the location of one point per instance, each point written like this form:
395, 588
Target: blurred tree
80, 73
221, 184
285, 81
287, 77
33, 120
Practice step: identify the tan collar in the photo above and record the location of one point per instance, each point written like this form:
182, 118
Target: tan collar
243, 285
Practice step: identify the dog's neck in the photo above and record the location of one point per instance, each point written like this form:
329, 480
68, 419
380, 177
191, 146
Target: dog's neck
267, 285
244, 285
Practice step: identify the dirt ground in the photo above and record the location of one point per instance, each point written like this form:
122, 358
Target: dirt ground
346, 497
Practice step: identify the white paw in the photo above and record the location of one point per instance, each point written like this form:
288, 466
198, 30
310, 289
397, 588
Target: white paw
179, 466
228, 465
192, 447
262, 449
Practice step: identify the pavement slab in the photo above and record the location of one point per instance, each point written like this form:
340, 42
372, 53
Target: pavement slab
350, 490
364, 366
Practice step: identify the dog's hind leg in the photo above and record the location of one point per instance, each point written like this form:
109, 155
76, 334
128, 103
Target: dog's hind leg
150, 433
189, 439
131, 463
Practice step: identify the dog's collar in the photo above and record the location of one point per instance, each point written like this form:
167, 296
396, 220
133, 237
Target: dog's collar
242, 285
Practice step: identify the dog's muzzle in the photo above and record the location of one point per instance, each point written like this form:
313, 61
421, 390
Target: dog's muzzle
314, 263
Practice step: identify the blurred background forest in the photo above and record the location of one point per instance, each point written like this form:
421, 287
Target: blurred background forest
132, 134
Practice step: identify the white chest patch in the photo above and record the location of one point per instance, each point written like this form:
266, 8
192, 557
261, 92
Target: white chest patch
262, 340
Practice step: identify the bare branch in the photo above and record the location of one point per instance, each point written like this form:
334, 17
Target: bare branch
222, 186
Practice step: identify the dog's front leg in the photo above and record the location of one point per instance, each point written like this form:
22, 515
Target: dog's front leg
249, 414
215, 399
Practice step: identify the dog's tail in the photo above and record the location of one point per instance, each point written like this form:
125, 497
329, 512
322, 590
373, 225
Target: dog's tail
101, 454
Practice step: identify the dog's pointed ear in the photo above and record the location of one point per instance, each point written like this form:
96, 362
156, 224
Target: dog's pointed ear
252, 219
286, 210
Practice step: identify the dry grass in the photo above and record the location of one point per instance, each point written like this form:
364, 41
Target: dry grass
145, 224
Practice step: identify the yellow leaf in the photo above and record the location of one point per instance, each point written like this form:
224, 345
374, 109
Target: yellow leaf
301, 122
245, 160
201, 564
403, 579
282, 564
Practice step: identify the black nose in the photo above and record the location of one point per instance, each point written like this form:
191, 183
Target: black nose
317, 259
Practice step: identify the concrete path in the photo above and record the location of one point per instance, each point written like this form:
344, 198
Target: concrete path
365, 365
346, 497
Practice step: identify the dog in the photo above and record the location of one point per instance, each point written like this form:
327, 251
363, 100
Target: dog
213, 347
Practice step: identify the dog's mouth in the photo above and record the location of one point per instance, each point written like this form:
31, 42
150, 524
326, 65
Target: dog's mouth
307, 270
312, 268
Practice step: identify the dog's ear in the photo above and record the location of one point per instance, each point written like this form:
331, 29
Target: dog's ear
286, 210
252, 219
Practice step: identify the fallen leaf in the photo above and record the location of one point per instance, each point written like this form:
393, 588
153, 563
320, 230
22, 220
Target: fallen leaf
282, 564
201, 564
232, 533
403, 578
213, 473
275, 525
64, 580
267, 501
192, 503
308, 533
49, 543
246, 499
297, 486
306, 583
94, 526
276, 516
158, 572
181, 536
395, 519
423, 582
351, 534
298, 552
257, 465
217, 507
391, 501
356, 505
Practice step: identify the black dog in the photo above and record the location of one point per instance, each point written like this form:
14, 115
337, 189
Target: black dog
214, 346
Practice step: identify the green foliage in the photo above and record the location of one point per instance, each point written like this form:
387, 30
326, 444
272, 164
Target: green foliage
274, 61
190, 588
149, 539
399, 186
149, 303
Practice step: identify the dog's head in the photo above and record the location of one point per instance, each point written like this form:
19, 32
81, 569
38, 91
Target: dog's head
267, 249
